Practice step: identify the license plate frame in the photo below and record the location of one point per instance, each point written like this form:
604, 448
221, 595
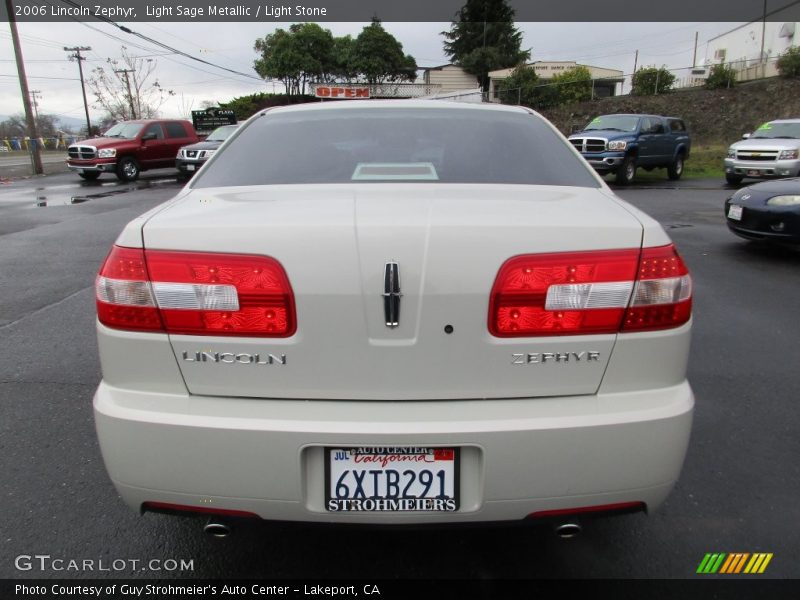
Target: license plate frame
754, 173
369, 501
735, 212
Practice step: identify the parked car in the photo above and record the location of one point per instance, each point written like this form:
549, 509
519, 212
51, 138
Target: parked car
619, 144
191, 158
772, 151
378, 320
130, 147
767, 211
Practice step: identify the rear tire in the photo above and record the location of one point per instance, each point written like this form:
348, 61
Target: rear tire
675, 169
627, 171
128, 169
89, 175
734, 179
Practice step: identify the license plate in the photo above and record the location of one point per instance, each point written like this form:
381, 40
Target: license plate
754, 173
190, 167
80, 170
391, 479
735, 212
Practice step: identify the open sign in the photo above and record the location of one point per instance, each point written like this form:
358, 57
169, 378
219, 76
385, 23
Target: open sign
323, 91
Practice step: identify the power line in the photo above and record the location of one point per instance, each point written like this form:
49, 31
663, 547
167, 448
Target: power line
42, 77
165, 46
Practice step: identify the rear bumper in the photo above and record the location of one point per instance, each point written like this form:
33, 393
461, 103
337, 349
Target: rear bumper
518, 456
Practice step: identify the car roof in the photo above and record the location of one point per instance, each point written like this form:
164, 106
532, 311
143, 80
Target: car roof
345, 105
640, 115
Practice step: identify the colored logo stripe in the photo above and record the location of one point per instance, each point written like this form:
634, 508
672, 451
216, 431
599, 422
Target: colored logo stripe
734, 563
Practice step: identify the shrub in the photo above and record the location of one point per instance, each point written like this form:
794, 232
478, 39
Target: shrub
789, 63
652, 80
721, 76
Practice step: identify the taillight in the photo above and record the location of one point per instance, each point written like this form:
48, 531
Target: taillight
662, 297
575, 293
195, 293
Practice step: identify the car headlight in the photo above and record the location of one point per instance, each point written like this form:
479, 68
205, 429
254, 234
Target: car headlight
210, 153
107, 153
731, 152
788, 155
617, 145
784, 200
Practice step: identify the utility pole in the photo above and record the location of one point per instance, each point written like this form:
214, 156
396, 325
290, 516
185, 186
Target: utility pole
36, 157
763, 33
128, 84
77, 56
635, 63
35, 93
694, 57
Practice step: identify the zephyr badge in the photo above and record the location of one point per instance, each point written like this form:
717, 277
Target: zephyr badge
391, 294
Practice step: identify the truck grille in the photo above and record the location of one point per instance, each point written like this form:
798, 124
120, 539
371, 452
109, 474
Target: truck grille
193, 153
760, 155
589, 144
82, 151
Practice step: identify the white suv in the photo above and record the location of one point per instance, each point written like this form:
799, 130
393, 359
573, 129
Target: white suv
772, 151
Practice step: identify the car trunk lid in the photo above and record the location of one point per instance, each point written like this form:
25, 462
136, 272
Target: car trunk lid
447, 242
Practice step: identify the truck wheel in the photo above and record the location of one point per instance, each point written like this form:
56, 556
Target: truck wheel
89, 175
733, 179
627, 171
675, 169
128, 169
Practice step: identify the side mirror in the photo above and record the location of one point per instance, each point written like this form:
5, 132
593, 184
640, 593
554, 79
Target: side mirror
745, 136
149, 136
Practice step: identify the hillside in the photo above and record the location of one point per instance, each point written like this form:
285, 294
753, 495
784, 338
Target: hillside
713, 116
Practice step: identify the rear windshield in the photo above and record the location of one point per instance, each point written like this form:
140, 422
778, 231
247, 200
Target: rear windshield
447, 145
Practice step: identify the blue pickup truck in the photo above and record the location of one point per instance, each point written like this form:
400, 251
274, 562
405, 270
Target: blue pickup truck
620, 144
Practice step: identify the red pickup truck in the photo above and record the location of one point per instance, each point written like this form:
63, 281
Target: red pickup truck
131, 147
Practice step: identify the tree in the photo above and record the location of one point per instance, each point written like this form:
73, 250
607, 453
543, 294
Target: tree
789, 62
648, 81
127, 89
302, 55
573, 85
378, 57
521, 87
721, 76
484, 38
344, 68
15, 126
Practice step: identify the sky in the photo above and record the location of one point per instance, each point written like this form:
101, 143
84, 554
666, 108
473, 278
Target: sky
609, 45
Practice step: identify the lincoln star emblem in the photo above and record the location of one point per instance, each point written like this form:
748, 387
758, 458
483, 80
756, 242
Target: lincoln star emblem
391, 294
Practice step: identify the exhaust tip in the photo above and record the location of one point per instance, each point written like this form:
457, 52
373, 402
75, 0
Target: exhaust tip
217, 529
568, 531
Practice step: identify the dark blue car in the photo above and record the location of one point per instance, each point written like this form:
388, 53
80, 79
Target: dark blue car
620, 144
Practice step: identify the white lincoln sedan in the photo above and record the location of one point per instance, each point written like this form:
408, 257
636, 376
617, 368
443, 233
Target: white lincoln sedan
394, 312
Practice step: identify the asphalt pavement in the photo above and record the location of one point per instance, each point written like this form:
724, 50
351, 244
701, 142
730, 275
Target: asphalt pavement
738, 492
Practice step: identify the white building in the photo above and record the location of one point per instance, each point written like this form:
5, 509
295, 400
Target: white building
450, 78
741, 48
